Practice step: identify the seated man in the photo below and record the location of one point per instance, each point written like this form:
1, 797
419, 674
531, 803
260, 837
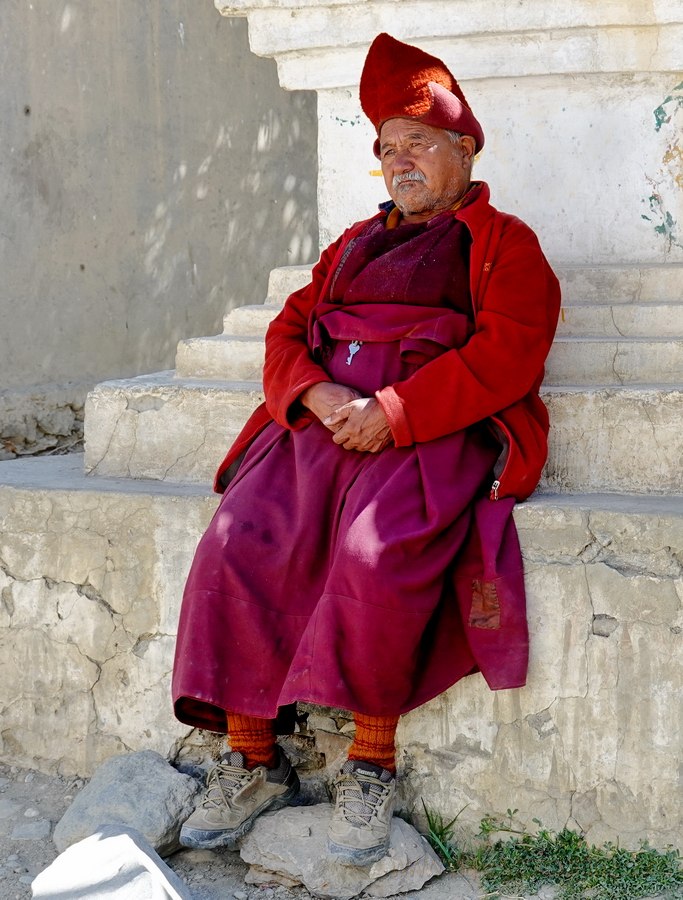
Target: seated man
364, 554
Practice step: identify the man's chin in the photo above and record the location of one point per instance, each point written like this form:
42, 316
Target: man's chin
408, 209
411, 205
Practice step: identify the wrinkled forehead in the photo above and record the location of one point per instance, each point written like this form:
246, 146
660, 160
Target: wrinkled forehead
400, 129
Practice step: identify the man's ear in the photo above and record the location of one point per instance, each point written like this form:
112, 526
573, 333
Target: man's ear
468, 146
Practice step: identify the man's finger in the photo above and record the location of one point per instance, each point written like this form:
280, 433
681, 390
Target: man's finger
338, 416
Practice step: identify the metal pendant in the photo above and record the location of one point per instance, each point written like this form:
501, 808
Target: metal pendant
354, 347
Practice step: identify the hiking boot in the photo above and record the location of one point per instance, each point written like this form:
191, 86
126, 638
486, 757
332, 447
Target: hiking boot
234, 797
360, 829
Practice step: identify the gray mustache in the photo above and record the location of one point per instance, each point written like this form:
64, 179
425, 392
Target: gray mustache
407, 176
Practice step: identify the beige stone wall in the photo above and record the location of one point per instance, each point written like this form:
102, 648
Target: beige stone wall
91, 575
152, 172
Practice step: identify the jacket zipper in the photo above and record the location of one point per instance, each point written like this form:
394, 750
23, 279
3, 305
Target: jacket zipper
495, 487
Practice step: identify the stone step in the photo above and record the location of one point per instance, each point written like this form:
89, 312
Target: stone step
620, 439
610, 285
158, 426
223, 356
654, 320
597, 360
279, 30
572, 360
284, 281
252, 320
657, 320
603, 438
91, 576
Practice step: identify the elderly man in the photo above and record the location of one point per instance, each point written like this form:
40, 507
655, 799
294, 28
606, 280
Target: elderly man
364, 555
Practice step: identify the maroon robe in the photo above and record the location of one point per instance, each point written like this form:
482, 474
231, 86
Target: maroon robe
331, 575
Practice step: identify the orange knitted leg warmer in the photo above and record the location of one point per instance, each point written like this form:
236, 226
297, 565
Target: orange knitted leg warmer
254, 738
374, 740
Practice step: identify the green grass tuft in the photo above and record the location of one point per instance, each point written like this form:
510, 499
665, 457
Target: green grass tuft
523, 863
440, 836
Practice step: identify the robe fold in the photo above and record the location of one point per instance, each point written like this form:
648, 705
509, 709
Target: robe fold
355, 579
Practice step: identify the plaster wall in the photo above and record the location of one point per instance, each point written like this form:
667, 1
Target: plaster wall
91, 576
152, 172
581, 104
586, 160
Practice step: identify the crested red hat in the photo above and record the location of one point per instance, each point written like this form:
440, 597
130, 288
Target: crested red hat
402, 81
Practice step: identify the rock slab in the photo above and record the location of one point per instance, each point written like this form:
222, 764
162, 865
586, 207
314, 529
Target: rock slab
138, 790
292, 845
116, 863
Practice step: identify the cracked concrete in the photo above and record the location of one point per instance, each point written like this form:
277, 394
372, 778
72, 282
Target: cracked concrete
120, 440
90, 586
593, 739
588, 450
587, 447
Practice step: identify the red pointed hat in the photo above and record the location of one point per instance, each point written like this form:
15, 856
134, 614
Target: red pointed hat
401, 81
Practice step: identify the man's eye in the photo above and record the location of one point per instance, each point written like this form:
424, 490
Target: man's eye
387, 153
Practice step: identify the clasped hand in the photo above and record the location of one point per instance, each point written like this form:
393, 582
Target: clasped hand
357, 423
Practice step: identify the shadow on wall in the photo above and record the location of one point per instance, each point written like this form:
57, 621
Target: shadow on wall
152, 173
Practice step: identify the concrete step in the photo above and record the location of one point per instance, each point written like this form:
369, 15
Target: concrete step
284, 281
655, 320
580, 320
222, 356
598, 360
572, 360
607, 285
250, 321
626, 319
158, 426
91, 575
604, 438
621, 439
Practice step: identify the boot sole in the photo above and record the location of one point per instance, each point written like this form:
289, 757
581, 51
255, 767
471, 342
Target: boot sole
350, 856
202, 839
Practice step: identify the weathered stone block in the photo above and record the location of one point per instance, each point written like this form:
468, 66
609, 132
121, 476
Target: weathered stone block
138, 790
223, 356
91, 576
655, 320
616, 438
600, 361
622, 439
128, 424
293, 843
594, 734
592, 738
251, 320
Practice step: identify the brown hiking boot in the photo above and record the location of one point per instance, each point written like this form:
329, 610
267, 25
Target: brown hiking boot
234, 797
360, 829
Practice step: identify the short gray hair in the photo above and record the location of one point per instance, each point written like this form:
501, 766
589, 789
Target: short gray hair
453, 135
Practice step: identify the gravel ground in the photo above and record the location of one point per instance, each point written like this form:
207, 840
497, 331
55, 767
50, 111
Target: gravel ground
32, 803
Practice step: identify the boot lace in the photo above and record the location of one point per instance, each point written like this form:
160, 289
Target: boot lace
224, 781
359, 797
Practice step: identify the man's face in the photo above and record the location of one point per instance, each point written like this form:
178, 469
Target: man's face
425, 171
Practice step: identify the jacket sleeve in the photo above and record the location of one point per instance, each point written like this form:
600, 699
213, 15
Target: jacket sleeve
503, 359
289, 368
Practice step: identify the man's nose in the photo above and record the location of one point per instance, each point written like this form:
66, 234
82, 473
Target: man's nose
404, 161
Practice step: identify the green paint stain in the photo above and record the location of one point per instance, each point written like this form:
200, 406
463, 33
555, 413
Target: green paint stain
663, 113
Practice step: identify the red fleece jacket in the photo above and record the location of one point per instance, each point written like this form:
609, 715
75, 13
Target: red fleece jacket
496, 375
